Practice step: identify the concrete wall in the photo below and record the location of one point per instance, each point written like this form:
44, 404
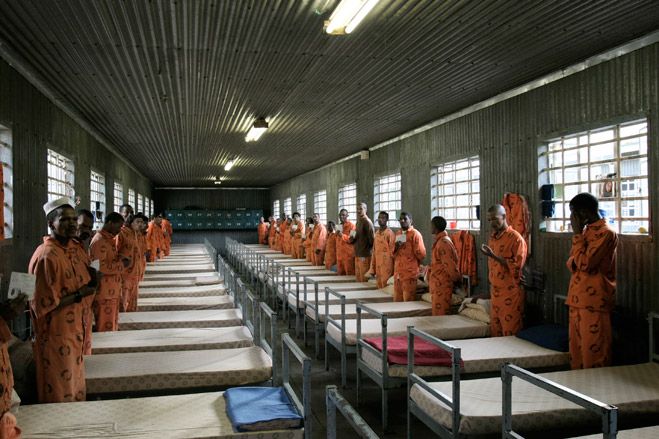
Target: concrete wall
506, 137
37, 125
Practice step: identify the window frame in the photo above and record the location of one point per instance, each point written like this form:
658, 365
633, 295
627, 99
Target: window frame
475, 223
7, 159
352, 214
378, 183
140, 203
67, 180
317, 208
276, 209
301, 206
98, 222
288, 202
117, 207
132, 199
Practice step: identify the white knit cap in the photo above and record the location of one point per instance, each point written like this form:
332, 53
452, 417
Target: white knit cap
55, 204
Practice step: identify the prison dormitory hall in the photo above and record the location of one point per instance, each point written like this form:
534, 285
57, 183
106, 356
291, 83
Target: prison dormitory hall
300, 219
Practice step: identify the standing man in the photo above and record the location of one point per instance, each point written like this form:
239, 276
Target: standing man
285, 230
63, 279
409, 251
345, 252
382, 261
363, 242
506, 256
103, 249
154, 239
296, 232
9, 310
143, 244
591, 295
318, 241
85, 223
128, 247
272, 231
262, 231
168, 232
278, 239
125, 210
330, 246
444, 273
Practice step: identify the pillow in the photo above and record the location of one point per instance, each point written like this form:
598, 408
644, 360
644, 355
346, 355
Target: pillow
478, 314
427, 298
389, 289
455, 299
549, 336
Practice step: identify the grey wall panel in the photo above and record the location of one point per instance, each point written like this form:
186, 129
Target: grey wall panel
217, 239
506, 137
213, 199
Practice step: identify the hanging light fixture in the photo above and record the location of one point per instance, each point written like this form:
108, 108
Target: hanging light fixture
347, 15
256, 131
229, 165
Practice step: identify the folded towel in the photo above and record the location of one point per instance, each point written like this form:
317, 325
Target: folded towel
261, 408
425, 353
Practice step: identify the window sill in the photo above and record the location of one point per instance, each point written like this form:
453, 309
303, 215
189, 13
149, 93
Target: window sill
623, 237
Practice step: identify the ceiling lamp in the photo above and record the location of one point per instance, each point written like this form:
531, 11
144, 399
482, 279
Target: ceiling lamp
256, 131
218, 181
229, 165
348, 15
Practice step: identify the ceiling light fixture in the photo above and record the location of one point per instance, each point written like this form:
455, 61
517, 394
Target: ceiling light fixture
347, 16
218, 182
256, 131
229, 165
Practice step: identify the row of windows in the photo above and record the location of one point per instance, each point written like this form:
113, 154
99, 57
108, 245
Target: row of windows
610, 162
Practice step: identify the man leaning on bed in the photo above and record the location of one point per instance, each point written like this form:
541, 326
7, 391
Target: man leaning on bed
591, 294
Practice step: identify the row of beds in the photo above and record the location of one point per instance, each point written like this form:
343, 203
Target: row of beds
346, 313
198, 329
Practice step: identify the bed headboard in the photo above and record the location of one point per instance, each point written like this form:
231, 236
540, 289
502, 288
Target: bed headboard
263, 342
333, 401
304, 406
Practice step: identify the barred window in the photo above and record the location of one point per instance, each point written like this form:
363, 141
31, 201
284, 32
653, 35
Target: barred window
275, 209
6, 157
609, 162
348, 200
301, 204
118, 196
60, 176
455, 193
97, 197
140, 204
387, 197
288, 209
320, 205
147, 206
132, 200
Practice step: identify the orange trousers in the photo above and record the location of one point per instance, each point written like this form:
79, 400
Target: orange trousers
590, 338
506, 315
129, 291
345, 266
8, 427
87, 320
362, 266
404, 290
319, 258
441, 293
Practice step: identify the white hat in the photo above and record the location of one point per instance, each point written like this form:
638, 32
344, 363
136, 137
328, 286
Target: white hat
55, 204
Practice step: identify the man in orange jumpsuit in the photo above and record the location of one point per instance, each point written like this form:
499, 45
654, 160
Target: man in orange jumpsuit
307, 241
285, 229
506, 256
103, 249
262, 231
382, 261
362, 242
272, 230
143, 245
277, 241
85, 223
296, 232
167, 235
318, 240
409, 251
345, 252
63, 279
330, 245
128, 247
444, 273
154, 239
591, 295
8, 311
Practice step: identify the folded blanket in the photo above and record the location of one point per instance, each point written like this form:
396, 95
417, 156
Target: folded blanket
260, 409
425, 353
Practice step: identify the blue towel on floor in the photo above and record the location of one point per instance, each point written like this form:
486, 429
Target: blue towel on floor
249, 406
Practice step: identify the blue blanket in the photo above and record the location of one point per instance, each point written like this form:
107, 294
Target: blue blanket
247, 407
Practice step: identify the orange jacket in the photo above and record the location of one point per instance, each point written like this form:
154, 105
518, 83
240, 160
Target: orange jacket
409, 256
518, 216
382, 261
344, 249
505, 279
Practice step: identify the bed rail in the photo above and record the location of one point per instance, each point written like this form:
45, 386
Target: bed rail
335, 401
250, 309
652, 316
211, 251
304, 406
608, 413
267, 346
340, 324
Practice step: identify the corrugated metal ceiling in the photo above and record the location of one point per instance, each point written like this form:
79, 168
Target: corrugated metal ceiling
175, 85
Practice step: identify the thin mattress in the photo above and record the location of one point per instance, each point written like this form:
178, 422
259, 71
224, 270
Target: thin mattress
197, 290
482, 355
171, 370
171, 339
179, 276
291, 262
393, 310
192, 281
198, 416
311, 295
633, 389
451, 327
207, 318
184, 303
353, 296
636, 433
179, 268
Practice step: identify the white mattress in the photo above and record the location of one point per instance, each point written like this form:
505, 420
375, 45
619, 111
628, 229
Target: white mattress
167, 283
184, 260
445, 327
393, 310
179, 268
633, 389
353, 296
309, 267
636, 433
171, 339
483, 355
178, 276
184, 303
296, 262
196, 290
213, 318
277, 256
311, 294
146, 371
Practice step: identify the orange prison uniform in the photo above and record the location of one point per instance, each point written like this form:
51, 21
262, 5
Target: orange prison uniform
444, 273
127, 243
278, 241
406, 265
506, 291
8, 428
286, 238
271, 234
465, 244
308, 251
154, 239
143, 247
296, 240
330, 250
108, 296
87, 304
345, 252
318, 243
59, 333
262, 232
169, 230
382, 261
591, 295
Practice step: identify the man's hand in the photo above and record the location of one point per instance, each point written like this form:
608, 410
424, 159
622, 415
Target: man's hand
487, 251
14, 307
317, 251
577, 224
125, 261
399, 244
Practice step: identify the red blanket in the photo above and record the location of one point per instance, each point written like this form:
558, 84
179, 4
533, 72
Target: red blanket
425, 353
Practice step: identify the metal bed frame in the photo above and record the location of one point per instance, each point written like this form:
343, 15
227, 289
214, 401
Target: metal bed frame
335, 401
